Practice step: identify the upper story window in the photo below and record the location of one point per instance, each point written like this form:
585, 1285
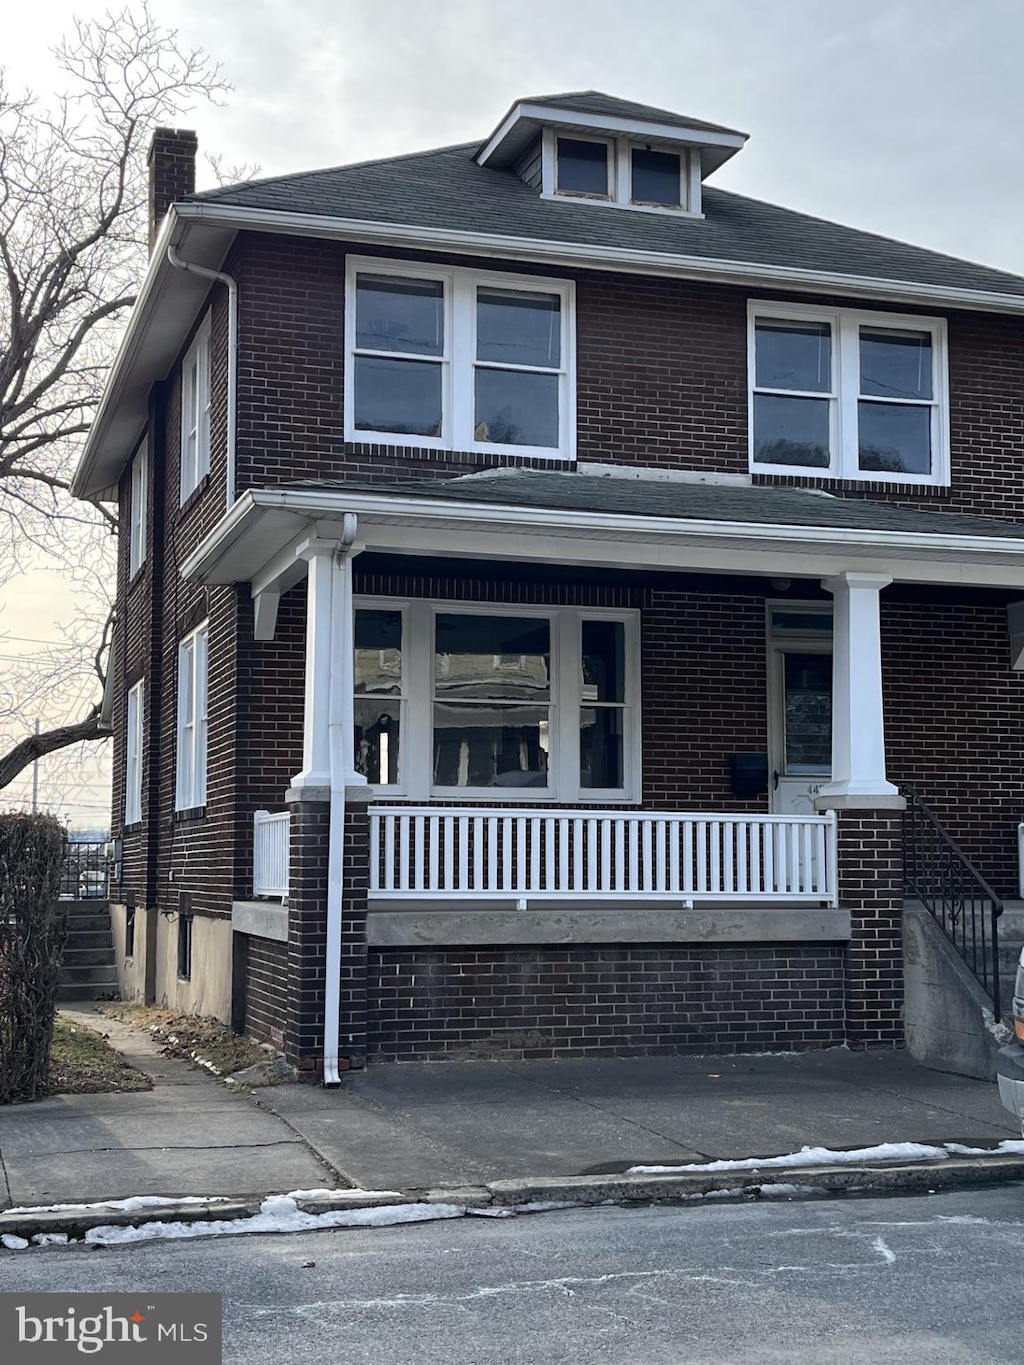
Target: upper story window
453, 359
484, 700
193, 673
195, 412
134, 723
849, 394
138, 497
621, 172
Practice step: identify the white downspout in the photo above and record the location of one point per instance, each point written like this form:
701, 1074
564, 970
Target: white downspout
340, 732
232, 287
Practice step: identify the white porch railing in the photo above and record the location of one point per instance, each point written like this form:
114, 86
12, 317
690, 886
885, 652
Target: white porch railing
535, 856
270, 853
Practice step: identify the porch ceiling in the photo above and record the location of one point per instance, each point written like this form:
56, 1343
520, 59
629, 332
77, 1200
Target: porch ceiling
643, 523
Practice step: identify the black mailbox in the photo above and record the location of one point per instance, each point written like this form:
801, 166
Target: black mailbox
748, 774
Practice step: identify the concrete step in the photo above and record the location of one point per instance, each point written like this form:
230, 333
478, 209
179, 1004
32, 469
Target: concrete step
89, 924
87, 957
102, 975
89, 938
65, 994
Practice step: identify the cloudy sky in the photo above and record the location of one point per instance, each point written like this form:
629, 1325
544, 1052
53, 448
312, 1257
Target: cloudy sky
900, 116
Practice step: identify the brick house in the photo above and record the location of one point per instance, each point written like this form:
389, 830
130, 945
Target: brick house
540, 574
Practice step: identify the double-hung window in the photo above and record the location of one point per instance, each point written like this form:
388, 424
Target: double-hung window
453, 359
137, 494
134, 723
195, 412
193, 672
455, 701
848, 394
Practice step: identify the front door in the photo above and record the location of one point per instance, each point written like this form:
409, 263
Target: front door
801, 749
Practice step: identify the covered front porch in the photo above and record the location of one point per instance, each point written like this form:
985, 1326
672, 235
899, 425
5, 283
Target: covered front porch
722, 870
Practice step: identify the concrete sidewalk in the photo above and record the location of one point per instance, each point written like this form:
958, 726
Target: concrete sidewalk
414, 1126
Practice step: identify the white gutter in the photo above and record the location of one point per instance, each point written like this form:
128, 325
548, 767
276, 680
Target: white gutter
232, 287
340, 731
570, 254
325, 504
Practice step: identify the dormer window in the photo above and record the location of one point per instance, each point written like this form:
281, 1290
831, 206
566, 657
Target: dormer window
655, 178
582, 167
621, 173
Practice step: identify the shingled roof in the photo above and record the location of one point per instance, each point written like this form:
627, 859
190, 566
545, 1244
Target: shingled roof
447, 190
596, 102
674, 500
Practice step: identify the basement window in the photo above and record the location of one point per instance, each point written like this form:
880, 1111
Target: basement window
184, 947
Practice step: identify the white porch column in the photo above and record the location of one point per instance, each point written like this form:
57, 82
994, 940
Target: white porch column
858, 725
316, 745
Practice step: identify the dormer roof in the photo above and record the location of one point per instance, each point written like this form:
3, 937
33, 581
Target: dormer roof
591, 111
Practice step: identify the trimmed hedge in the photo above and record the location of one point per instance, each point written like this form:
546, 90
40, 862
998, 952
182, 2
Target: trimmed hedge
33, 928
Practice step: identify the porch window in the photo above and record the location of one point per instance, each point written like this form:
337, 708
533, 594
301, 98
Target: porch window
195, 412
452, 701
455, 359
193, 668
848, 395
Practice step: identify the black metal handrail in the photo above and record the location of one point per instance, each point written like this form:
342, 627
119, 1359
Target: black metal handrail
941, 876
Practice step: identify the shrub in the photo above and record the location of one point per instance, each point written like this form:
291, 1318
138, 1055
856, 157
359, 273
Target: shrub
33, 927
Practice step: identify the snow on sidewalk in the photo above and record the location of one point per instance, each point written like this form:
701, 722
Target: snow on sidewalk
826, 1156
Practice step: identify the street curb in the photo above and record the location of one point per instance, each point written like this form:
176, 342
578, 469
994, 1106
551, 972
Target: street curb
582, 1191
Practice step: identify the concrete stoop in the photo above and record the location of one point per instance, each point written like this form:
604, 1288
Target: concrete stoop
949, 1021
89, 969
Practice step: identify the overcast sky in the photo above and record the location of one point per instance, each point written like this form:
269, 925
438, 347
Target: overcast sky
900, 116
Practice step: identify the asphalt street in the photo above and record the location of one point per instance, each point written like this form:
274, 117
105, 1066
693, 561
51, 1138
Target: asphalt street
920, 1281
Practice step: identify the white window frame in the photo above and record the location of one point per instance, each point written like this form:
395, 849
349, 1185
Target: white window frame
192, 719
844, 393
415, 756
620, 173
138, 495
133, 741
195, 412
458, 362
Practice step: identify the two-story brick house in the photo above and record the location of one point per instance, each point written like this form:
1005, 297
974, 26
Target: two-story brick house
540, 572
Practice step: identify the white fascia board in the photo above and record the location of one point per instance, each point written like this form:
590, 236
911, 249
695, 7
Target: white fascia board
976, 559
540, 114
582, 254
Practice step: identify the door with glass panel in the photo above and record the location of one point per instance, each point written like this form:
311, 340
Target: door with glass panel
801, 706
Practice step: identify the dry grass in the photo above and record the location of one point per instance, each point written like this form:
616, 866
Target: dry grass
82, 1062
204, 1042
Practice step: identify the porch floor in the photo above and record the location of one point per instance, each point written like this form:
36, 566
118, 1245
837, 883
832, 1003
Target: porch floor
421, 1124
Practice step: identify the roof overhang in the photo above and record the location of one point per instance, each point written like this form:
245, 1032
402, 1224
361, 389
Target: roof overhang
168, 304
524, 122
255, 541
202, 231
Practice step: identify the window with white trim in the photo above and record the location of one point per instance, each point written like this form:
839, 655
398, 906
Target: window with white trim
848, 394
453, 359
137, 494
193, 673
455, 700
134, 721
621, 172
195, 412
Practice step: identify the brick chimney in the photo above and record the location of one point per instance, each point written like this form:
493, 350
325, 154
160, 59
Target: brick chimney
172, 172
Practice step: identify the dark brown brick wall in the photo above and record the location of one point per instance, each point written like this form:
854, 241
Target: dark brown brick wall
870, 886
603, 1001
266, 990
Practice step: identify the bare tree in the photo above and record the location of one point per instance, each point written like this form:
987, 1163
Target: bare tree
73, 197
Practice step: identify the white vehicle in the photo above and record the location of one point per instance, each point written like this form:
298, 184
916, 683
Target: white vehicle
1010, 1063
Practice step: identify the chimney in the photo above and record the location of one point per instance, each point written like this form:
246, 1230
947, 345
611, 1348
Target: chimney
172, 172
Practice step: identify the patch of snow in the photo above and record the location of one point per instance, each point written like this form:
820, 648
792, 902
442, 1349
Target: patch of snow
278, 1214
130, 1205
545, 1205
342, 1194
784, 1190
50, 1239
486, 1212
1008, 1147
808, 1156
12, 1242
